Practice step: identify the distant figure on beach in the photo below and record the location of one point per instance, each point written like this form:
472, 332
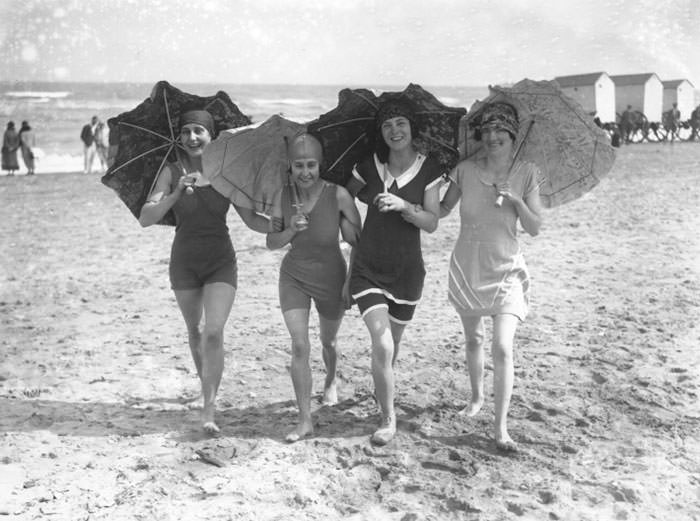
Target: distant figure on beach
203, 269
400, 187
313, 269
10, 146
87, 135
487, 273
674, 121
626, 124
101, 138
27, 142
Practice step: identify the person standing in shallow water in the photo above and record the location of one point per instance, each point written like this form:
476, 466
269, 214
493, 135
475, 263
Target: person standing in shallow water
487, 274
400, 187
312, 212
203, 269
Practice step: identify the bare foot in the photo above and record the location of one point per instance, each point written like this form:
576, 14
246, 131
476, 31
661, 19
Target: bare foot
505, 443
302, 430
208, 423
211, 428
386, 431
330, 395
472, 409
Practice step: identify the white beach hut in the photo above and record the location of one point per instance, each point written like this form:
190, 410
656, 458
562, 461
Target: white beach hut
681, 92
643, 91
594, 91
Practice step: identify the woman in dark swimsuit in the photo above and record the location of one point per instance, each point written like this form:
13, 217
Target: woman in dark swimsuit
203, 272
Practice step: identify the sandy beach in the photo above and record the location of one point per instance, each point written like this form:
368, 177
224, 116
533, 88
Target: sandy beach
95, 373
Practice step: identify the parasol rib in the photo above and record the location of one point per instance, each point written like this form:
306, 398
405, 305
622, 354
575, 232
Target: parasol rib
160, 169
347, 150
138, 127
144, 154
347, 121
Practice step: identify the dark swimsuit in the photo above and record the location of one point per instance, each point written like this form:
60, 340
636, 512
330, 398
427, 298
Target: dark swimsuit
202, 252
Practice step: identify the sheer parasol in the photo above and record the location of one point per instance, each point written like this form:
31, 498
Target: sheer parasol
145, 138
250, 165
556, 134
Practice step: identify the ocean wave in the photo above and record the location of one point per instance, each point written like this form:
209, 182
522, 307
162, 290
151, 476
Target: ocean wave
37, 94
58, 163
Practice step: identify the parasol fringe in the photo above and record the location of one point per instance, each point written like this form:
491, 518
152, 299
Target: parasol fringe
370, 102
167, 113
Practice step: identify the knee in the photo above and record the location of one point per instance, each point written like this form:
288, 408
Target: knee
329, 345
300, 349
474, 343
383, 352
502, 351
213, 338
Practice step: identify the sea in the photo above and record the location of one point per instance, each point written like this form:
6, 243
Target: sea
57, 111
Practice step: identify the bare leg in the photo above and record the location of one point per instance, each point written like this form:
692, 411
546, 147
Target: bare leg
474, 340
504, 327
328, 332
191, 307
297, 321
377, 322
218, 299
396, 334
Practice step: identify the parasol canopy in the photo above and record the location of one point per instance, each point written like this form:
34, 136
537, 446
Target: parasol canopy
556, 134
250, 165
145, 138
348, 135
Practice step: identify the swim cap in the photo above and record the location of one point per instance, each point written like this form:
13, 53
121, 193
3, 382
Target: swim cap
305, 145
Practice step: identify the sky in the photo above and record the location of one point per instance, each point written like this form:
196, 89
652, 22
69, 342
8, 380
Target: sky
346, 42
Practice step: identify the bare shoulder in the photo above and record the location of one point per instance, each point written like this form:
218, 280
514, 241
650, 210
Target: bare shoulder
341, 193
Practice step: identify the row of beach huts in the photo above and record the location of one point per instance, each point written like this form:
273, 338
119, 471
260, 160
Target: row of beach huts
608, 96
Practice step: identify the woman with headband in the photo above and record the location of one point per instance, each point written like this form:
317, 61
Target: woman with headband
400, 187
313, 269
203, 270
487, 273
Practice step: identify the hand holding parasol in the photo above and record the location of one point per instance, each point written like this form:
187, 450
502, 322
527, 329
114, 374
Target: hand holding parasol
556, 134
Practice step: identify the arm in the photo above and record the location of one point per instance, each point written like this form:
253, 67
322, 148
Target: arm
354, 186
425, 217
350, 222
161, 199
253, 220
529, 209
280, 233
450, 199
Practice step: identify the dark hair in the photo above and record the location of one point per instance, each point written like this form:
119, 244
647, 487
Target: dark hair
398, 107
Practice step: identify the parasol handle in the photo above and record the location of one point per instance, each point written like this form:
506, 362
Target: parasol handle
499, 199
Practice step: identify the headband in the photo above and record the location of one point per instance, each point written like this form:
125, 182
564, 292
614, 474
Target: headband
500, 116
199, 117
